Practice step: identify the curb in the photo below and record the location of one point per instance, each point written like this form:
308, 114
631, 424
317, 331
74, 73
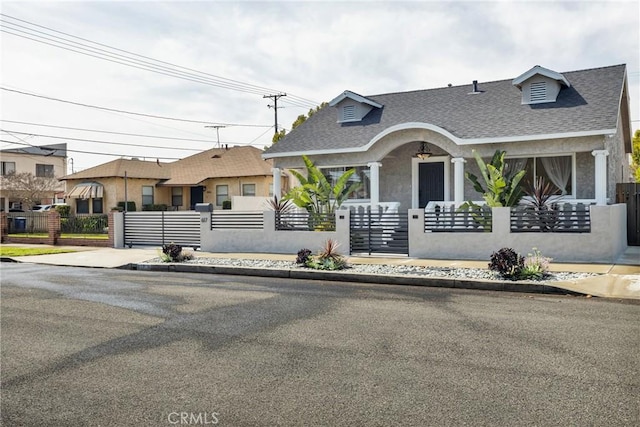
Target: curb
341, 276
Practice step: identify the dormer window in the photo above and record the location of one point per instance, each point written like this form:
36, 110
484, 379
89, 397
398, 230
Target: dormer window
539, 85
352, 107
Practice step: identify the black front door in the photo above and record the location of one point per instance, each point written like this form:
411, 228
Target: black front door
197, 196
430, 182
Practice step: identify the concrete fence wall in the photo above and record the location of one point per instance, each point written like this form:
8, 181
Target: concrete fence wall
605, 243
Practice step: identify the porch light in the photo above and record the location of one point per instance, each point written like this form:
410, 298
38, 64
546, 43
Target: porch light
424, 152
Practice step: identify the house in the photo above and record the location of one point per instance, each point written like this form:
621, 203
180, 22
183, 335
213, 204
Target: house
44, 161
99, 189
573, 128
211, 176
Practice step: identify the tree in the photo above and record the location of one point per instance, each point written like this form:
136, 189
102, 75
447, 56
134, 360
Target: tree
297, 122
28, 188
315, 193
502, 188
635, 156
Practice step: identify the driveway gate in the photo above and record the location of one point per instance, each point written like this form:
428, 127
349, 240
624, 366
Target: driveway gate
159, 228
629, 193
378, 233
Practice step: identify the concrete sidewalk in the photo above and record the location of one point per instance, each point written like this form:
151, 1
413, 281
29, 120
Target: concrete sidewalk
617, 280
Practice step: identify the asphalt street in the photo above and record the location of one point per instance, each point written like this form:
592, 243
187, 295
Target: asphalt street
104, 347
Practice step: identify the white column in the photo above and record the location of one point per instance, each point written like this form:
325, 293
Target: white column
374, 178
601, 176
277, 186
458, 180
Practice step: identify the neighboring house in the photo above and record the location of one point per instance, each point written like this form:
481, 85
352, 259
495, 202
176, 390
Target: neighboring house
572, 128
220, 174
211, 176
99, 189
40, 161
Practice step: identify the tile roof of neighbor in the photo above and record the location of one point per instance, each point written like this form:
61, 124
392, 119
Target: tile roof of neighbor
590, 104
52, 150
117, 168
219, 163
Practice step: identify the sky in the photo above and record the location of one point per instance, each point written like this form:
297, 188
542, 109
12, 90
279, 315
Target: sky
75, 71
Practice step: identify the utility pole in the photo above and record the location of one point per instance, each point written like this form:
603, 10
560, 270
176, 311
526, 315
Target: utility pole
275, 107
217, 128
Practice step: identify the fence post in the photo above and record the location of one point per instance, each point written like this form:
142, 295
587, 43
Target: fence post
53, 225
3, 227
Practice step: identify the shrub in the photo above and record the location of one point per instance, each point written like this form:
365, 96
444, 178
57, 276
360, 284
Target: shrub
63, 210
226, 204
173, 253
303, 256
131, 206
328, 257
155, 207
507, 262
535, 266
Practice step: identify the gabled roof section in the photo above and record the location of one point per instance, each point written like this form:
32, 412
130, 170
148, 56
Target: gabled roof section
52, 150
354, 96
543, 72
117, 168
219, 163
590, 106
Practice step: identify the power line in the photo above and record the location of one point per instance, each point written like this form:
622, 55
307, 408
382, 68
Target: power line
95, 152
149, 64
128, 112
106, 131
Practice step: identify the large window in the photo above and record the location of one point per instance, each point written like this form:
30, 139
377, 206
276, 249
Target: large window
147, 195
82, 206
248, 189
97, 206
43, 170
361, 175
176, 196
556, 170
222, 194
8, 168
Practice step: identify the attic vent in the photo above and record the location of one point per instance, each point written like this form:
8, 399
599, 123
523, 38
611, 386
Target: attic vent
348, 113
538, 92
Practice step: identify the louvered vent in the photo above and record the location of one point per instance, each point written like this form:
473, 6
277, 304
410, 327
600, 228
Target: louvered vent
538, 92
348, 113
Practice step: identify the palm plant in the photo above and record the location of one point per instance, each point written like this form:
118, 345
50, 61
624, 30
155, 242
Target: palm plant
503, 188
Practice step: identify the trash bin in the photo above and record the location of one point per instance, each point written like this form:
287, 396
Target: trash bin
20, 224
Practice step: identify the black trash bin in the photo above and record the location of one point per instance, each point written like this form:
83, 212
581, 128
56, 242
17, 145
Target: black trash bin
20, 224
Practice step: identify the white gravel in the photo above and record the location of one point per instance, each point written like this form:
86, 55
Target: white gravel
383, 269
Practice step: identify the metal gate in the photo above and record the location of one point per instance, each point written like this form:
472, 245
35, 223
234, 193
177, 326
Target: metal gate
379, 233
629, 193
159, 228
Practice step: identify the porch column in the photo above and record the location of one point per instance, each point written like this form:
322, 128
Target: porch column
374, 178
277, 186
458, 180
601, 176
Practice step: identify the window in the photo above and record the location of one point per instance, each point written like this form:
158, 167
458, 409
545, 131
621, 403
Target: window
176, 196
147, 195
82, 206
556, 170
361, 175
248, 189
44, 170
97, 206
222, 194
8, 168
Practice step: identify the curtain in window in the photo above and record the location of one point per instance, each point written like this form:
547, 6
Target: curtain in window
515, 165
559, 171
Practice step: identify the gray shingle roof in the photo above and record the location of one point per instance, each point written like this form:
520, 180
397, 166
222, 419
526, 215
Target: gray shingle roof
591, 104
51, 150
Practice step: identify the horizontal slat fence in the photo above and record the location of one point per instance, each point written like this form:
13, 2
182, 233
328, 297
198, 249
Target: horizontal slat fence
304, 221
565, 218
241, 220
160, 228
451, 220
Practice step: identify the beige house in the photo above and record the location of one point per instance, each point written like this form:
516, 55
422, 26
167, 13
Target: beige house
212, 176
41, 161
